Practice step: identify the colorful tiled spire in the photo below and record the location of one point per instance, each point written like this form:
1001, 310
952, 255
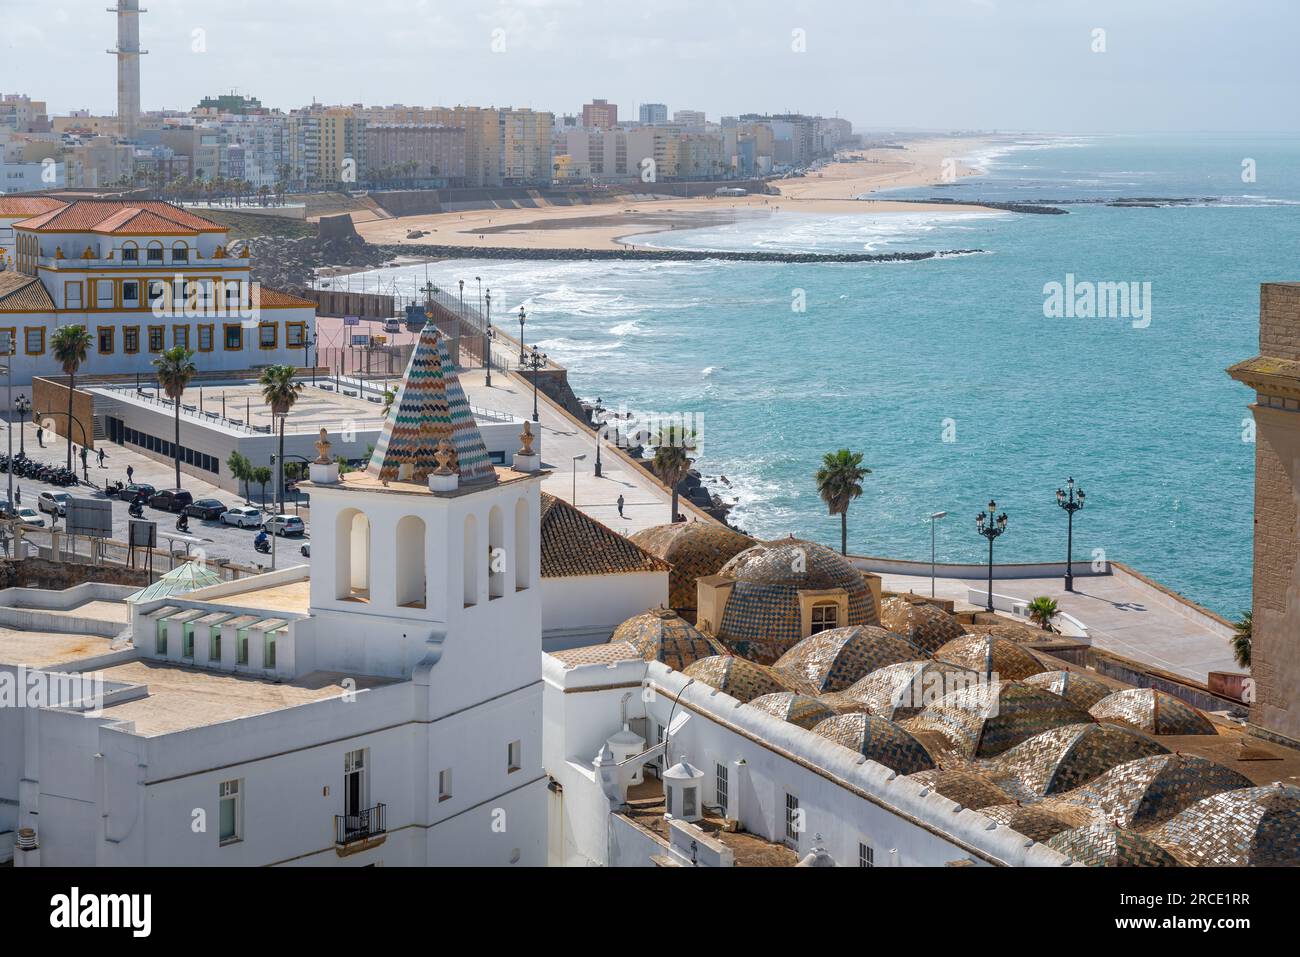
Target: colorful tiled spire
430, 406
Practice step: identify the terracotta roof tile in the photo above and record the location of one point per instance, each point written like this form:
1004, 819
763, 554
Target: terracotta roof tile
273, 298
102, 216
575, 544
28, 205
22, 293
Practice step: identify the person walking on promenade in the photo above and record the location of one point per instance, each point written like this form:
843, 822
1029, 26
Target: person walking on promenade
40, 436
100, 453
130, 475
18, 495
620, 506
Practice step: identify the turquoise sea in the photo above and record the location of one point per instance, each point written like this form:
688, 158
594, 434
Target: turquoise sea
887, 358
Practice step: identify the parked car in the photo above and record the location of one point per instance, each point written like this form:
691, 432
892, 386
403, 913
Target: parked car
29, 516
129, 493
305, 551
208, 509
56, 503
171, 499
285, 525
243, 516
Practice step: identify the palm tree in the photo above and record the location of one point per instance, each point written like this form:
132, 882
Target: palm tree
241, 470
175, 370
672, 458
839, 482
280, 392
70, 345
1041, 611
1241, 640
390, 396
261, 475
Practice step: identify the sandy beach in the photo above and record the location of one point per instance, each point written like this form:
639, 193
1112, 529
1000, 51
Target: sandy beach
832, 189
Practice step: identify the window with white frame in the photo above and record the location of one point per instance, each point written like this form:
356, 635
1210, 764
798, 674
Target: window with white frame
231, 812
444, 784
866, 855
793, 820
722, 786
825, 616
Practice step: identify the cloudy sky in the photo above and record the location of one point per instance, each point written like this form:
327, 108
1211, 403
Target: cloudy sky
932, 64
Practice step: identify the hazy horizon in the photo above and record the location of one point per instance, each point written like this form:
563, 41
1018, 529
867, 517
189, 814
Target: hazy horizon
920, 65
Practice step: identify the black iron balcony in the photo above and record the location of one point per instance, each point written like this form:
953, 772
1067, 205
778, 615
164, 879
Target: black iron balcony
365, 824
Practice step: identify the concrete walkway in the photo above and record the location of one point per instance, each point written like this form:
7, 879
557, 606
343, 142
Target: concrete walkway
1121, 616
645, 502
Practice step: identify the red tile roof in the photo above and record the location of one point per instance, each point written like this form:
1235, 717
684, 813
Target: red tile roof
22, 293
272, 298
144, 216
574, 544
26, 206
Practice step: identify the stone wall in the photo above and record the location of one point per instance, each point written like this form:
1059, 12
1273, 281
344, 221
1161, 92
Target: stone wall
50, 406
39, 573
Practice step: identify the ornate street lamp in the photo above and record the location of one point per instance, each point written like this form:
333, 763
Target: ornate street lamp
535, 361
991, 525
522, 317
487, 342
600, 428
1071, 501
22, 405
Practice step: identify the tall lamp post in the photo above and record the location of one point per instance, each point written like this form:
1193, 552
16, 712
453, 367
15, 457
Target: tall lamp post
9, 349
23, 405
487, 342
1071, 501
934, 517
522, 317
600, 427
535, 361
991, 525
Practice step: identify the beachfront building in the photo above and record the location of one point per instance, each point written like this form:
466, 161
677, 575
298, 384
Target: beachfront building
385, 709
141, 276
422, 153
600, 115
653, 114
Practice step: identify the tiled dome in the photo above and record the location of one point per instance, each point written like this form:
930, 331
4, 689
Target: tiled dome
968, 788
1033, 821
1083, 690
695, 550
763, 619
988, 718
742, 679
924, 624
662, 635
1017, 631
1103, 845
1148, 791
1152, 711
1257, 827
900, 691
832, 660
990, 656
880, 740
1064, 758
796, 708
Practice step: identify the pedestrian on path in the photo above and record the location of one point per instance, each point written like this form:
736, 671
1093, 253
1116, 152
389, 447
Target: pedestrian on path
100, 453
130, 475
620, 506
18, 495
40, 436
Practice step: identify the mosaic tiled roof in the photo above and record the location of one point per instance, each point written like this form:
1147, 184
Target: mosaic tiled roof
1033, 821
1066, 757
1152, 711
796, 708
430, 406
744, 680
605, 654
924, 624
880, 740
990, 656
1016, 631
832, 660
662, 635
763, 618
968, 788
1148, 791
22, 293
694, 550
900, 691
1083, 690
991, 717
574, 544
1103, 845
1250, 827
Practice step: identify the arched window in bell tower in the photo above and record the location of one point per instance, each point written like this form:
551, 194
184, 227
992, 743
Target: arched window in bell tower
523, 562
352, 556
496, 553
473, 558
410, 580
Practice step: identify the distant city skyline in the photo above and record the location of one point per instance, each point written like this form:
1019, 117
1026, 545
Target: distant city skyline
920, 64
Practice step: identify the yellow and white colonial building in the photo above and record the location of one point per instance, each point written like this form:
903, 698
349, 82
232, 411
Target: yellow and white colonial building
141, 276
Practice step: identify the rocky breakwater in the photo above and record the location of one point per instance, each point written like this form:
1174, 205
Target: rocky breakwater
425, 250
289, 264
